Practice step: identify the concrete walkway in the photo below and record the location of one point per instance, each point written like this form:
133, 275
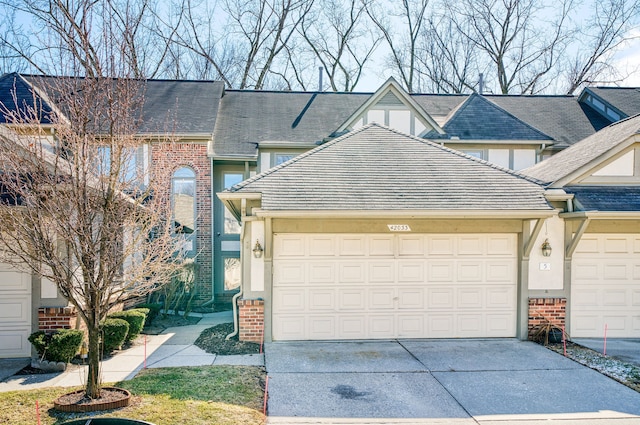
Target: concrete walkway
174, 347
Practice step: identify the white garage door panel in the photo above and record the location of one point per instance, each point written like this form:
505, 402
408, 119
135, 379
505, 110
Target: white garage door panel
14, 342
14, 309
605, 287
15, 312
392, 286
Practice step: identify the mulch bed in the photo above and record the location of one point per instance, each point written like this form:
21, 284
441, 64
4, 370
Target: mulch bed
110, 398
213, 341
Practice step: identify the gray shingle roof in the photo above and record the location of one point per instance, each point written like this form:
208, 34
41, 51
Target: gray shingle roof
170, 106
606, 198
571, 159
16, 95
561, 117
479, 119
377, 168
626, 99
248, 117
439, 104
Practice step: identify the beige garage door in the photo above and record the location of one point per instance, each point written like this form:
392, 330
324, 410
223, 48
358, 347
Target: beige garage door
345, 286
605, 286
15, 312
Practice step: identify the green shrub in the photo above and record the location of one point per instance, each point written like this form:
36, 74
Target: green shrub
65, 344
60, 345
154, 310
135, 319
114, 332
39, 341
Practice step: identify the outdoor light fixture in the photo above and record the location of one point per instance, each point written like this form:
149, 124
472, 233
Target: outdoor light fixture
258, 250
546, 248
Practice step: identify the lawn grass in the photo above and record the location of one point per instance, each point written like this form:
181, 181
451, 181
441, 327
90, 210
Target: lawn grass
195, 396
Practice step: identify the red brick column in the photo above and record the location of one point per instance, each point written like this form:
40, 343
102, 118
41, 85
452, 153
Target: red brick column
51, 318
166, 158
251, 322
544, 310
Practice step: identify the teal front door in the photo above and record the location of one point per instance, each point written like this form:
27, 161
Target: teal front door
226, 263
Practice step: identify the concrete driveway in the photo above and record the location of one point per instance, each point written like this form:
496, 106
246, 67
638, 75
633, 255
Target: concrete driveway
438, 381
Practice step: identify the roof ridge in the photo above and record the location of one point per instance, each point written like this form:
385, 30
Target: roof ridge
80, 77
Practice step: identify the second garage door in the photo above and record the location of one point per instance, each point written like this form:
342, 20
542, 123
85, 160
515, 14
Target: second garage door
15, 312
344, 286
605, 287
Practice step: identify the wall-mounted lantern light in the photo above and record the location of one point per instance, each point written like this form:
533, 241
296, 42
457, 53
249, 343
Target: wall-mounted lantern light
546, 248
257, 250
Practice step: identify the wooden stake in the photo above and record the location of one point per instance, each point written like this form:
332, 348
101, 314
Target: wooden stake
145, 352
266, 395
605, 340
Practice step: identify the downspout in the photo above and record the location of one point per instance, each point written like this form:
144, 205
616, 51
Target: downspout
234, 302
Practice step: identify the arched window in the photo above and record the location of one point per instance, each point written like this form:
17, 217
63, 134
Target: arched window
183, 200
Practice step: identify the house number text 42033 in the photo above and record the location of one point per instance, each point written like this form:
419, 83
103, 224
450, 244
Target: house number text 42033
399, 227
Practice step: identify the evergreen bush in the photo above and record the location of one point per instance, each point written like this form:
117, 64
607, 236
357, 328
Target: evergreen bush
114, 332
60, 345
135, 318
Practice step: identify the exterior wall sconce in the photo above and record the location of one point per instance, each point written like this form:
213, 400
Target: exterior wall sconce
546, 248
258, 250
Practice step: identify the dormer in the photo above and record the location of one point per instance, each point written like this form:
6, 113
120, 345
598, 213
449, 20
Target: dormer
622, 168
393, 107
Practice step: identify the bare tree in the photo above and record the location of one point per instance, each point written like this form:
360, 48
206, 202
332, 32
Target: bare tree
265, 28
447, 61
409, 16
510, 34
78, 209
336, 34
605, 31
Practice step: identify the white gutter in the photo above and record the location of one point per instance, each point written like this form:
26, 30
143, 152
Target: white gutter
458, 214
602, 215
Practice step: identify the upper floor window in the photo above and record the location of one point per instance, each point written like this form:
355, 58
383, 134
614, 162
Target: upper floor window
133, 164
279, 158
231, 225
183, 190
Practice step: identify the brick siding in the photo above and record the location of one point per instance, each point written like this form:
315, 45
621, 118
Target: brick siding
166, 158
251, 322
51, 318
543, 310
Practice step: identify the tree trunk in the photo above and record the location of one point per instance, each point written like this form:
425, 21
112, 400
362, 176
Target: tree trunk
93, 375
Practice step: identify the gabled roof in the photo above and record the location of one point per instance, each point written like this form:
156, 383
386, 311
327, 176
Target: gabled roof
17, 96
401, 173
624, 99
562, 118
391, 87
181, 107
577, 159
479, 119
246, 118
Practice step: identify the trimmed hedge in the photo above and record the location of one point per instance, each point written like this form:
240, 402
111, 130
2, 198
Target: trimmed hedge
60, 345
154, 310
114, 332
135, 318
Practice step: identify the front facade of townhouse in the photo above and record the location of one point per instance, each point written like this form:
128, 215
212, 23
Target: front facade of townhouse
391, 215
